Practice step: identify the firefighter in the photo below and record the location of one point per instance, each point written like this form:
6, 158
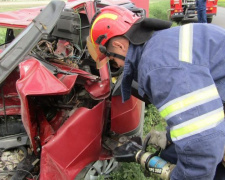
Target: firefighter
180, 70
201, 9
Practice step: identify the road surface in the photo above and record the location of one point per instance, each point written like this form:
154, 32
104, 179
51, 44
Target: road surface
220, 17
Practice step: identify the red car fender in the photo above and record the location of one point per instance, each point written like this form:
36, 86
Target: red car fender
76, 144
125, 117
35, 79
11, 97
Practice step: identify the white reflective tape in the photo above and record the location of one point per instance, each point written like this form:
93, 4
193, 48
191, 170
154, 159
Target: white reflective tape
197, 125
188, 101
186, 43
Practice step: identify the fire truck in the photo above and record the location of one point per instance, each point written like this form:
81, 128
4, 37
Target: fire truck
186, 10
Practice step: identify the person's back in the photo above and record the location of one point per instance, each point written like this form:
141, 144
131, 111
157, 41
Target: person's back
180, 70
203, 45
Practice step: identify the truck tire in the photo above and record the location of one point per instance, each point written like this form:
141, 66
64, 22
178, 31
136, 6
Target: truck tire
209, 19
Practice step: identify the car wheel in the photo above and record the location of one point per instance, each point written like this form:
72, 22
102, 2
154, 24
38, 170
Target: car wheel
99, 168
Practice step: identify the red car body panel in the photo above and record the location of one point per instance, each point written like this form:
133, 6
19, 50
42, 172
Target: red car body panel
19, 19
76, 144
22, 18
139, 3
11, 98
142, 4
35, 79
125, 117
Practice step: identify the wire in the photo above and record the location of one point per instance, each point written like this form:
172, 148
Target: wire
37, 176
26, 172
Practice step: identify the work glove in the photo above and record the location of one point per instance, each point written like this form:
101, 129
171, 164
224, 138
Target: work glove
158, 139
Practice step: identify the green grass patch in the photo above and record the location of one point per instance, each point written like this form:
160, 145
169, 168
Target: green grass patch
153, 120
6, 8
221, 3
159, 9
2, 35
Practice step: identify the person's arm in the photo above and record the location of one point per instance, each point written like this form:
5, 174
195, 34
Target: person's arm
188, 100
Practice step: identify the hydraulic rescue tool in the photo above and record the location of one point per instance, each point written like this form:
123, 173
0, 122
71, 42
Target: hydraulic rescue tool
127, 149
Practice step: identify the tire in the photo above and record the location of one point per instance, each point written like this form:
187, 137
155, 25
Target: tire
99, 168
209, 19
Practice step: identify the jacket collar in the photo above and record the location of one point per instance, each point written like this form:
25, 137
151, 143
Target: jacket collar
130, 69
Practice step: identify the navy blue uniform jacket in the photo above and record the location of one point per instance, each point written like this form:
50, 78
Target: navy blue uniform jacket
182, 71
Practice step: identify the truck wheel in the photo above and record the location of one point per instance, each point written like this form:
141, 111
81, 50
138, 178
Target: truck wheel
99, 168
209, 19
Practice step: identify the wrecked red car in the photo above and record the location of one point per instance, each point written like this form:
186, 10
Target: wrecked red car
58, 113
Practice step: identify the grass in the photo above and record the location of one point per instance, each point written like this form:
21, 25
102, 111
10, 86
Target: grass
14, 8
2, 35
159, 10
221, 3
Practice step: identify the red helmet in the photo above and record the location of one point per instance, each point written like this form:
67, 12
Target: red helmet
113, 21
109, 22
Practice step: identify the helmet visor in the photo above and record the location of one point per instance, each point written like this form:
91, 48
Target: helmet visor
100, 58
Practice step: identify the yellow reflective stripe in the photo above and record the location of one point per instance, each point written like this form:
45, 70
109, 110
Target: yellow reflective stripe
189, 101
197, 125
101, 16
185, 44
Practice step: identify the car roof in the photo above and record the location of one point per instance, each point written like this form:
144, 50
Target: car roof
22, 18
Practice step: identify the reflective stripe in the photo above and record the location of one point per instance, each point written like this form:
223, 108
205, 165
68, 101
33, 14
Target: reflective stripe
186, 43
197, 125
188, 101
109, 16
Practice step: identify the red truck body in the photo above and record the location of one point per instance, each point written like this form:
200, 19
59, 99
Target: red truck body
186, 10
